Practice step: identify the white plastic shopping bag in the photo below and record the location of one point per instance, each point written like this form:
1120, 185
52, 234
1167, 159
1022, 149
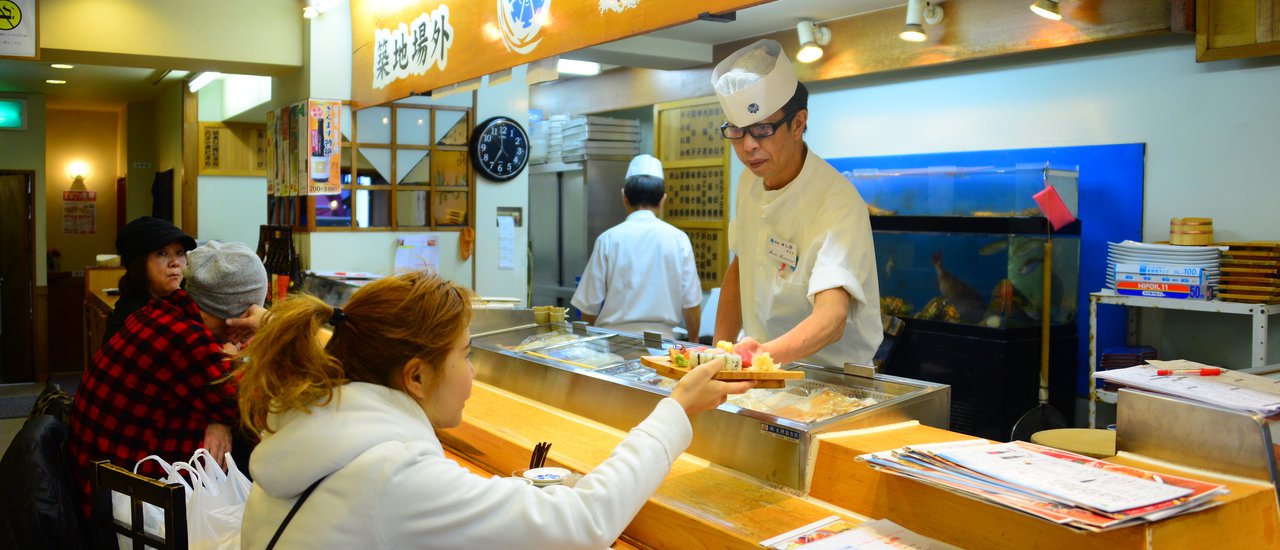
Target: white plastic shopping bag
216, 507
152, 515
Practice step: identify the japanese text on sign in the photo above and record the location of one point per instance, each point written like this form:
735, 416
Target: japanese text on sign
412, 49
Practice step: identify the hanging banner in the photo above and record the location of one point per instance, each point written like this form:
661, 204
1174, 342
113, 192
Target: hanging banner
79, 212
406, 47
19, 33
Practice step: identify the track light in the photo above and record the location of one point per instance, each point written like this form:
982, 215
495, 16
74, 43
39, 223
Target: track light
930, 13
1047, 9
812, 38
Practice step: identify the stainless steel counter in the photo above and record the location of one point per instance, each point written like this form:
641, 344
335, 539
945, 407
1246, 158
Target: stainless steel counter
596, 373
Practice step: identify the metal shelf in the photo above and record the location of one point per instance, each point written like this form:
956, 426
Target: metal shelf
1260, 312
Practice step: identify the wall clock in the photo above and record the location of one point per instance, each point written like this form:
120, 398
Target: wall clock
499, 148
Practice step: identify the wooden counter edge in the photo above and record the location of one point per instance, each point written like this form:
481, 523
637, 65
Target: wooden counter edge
699, 505
1248, 517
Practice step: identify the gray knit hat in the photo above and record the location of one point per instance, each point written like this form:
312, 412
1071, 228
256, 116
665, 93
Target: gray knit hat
225, 278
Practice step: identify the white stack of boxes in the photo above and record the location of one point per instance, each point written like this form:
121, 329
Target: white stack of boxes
555, 137
538, 133
596, 137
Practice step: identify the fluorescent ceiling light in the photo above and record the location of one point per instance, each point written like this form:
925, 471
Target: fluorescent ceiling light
55, 81
62, 66
203, 79
581, 68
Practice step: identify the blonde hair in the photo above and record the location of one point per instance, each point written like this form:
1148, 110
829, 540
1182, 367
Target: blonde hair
387, 323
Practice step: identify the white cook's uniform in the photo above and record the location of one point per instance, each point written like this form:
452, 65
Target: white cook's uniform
641, 276
820, 217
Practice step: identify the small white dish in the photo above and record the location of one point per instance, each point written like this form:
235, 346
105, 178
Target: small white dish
546, 476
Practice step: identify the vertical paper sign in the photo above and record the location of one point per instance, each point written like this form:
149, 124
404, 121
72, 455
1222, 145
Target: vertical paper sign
18, 29
324, 147
506, 243
79, 212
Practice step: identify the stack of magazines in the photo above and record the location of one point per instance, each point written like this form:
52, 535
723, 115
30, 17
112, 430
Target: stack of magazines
1059, 486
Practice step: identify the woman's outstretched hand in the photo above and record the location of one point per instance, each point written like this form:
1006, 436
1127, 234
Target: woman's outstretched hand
698, 392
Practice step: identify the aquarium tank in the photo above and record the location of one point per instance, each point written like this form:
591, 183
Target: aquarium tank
968, 260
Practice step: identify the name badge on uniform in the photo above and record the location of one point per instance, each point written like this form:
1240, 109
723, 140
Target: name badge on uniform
783, 251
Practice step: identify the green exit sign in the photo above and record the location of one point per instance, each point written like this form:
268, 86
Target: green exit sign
13, 114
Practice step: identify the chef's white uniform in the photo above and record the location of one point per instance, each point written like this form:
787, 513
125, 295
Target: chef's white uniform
822, 217
641, 276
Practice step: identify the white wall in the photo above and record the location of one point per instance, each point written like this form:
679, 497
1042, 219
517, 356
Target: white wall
1211, 132
1210, 129
231, 208
509, 99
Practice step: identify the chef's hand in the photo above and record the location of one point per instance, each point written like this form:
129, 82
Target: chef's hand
217, 439
748, 347
698, 392
242, 328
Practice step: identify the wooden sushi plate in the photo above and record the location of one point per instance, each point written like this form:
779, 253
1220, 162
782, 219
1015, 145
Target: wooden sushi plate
764, 378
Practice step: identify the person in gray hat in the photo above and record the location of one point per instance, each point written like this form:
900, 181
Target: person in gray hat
154, 254
163, 384
802, 283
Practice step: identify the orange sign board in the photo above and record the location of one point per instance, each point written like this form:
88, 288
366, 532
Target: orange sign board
403, 47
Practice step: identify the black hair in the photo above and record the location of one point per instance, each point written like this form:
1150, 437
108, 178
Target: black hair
644, 191
799, 102
134, 282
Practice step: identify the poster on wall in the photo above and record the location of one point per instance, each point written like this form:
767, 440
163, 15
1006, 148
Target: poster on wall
79, 212
325, 147
18, 29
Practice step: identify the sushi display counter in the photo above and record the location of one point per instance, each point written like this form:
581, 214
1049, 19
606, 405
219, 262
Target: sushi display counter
766, 433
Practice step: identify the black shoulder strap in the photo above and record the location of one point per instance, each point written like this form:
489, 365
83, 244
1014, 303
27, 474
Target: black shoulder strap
289, 517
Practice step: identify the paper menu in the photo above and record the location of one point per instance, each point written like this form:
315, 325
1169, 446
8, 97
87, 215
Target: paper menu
834, 533
414, 252
1233, 390
1092, 487
506, 243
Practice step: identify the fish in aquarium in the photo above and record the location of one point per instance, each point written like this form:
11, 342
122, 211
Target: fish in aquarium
966, 300
1007, 302
1055, 289
994, 247
1028, 246
888, 267
893, 305
939, 309
1030, 265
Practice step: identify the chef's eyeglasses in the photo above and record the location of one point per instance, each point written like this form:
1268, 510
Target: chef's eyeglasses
759, 130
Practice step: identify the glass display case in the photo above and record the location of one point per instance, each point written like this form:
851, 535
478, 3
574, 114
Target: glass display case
765, 433
961, 258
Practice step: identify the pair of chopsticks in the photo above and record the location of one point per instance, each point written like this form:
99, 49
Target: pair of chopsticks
539, 457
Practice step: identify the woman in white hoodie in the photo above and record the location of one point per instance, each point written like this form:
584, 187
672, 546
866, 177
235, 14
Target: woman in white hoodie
353, 421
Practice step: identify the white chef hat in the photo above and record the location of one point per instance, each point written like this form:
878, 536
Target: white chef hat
754, 82
645, 165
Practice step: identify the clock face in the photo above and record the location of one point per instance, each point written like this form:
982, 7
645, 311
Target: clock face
499, 148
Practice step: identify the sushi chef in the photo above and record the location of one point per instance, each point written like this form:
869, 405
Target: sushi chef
641, 275
802, 284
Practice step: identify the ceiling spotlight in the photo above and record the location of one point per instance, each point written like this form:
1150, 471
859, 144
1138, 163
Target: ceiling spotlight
930, 12
310, 12
812, 38
62, 66
1047, 9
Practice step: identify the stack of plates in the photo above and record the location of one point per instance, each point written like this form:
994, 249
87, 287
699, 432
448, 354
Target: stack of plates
1167, 255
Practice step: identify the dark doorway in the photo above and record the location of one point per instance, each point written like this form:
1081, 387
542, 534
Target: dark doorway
17, 276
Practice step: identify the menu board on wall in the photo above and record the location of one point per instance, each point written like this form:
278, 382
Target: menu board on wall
79, 212
407, 49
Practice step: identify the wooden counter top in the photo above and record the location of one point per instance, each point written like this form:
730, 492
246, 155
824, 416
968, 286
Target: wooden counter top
701, 505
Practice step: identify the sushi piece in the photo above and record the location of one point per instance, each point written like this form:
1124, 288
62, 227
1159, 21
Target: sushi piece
763, 361
731, 361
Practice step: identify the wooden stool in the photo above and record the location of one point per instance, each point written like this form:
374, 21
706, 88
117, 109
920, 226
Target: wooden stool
1084, 441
